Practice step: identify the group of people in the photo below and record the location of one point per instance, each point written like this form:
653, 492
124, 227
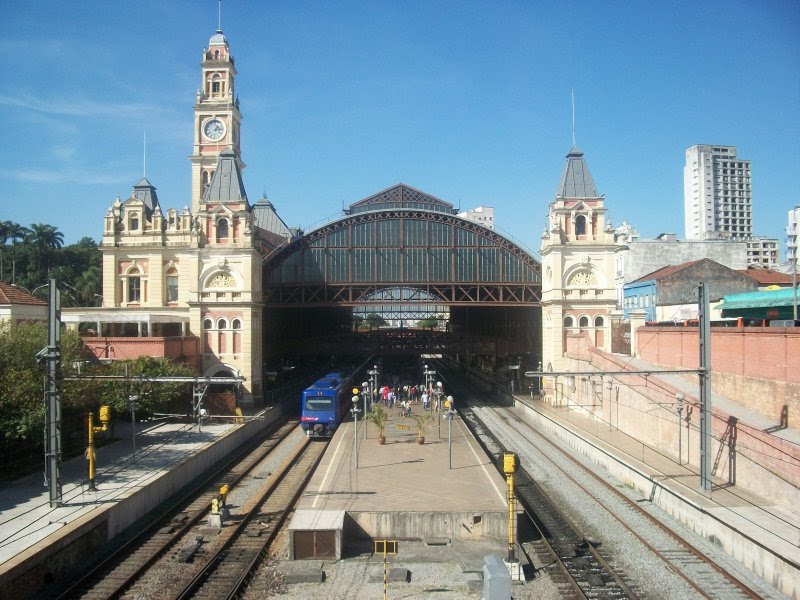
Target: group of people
406, 396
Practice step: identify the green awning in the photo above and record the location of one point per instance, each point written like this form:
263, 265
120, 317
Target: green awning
770, 304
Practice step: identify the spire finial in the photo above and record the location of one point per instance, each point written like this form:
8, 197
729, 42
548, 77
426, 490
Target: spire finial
573, 117
144, 155
219, 16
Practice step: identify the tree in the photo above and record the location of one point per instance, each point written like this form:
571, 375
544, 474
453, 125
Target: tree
44, 239
374, 320
13, 232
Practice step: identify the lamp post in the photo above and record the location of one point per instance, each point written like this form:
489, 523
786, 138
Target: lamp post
354, 411
429, 374
450, 413
132, 405
439, 393
679, 409
365, 392
610, 386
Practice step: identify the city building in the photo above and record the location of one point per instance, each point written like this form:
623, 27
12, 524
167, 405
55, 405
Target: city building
791, 236
717, 194
186, 284
639, 257
17, 305
767, 279
670, 293
578, 248
763, 252
483, 215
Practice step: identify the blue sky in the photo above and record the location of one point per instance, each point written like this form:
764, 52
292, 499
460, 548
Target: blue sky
468, 101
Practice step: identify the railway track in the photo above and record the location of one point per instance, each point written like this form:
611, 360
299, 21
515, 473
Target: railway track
584, 572
168, 524
226, 571
706, 577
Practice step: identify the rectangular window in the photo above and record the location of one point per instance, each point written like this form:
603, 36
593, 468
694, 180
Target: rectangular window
172, 288
134, 289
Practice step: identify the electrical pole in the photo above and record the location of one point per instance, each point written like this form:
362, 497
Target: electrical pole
52, 395
705, 386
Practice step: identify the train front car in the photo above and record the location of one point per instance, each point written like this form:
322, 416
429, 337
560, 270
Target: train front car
324, 405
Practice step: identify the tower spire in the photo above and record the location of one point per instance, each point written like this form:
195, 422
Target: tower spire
219, 16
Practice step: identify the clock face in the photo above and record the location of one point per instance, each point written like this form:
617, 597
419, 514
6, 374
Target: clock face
214, 129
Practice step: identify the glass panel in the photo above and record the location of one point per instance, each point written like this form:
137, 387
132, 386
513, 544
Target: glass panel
465, 264
389, 264
415, 271
338, 264
389, 233
511, 267
290, 269
440, 234
487, 267
440, 264
465, 237
313, 264
319, 403
363, 264
172, 288
338, 238
134, 289
414, 232
363, 234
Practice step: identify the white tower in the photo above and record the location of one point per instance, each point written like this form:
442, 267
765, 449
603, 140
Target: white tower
578, 257
717, 194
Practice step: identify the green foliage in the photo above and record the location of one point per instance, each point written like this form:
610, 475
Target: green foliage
30, 256
429, 322
375, 320
378, 416
423, 421
153, 397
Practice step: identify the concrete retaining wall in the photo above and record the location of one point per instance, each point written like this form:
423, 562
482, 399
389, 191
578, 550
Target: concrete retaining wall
56, 556
772, 568
431, 525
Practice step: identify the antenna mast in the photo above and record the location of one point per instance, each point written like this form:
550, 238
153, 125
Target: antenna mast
219, 15
144, 155
573, 117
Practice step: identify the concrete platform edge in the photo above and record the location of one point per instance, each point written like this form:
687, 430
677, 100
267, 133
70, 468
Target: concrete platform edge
58, 554
777, 570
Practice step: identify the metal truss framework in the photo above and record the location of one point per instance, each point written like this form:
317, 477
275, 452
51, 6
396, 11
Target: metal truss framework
523, 287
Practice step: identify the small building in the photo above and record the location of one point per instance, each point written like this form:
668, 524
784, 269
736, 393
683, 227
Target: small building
769, 305
767, 278
17, 305
670, 293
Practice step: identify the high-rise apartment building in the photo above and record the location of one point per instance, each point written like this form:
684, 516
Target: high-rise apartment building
792, 229
717, 194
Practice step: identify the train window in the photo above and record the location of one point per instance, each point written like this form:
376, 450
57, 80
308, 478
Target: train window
319, 403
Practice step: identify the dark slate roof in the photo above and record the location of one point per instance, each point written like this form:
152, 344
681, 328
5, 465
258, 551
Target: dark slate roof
227, 184
146, 192
10, 294
265, 217
576, 181
401, 196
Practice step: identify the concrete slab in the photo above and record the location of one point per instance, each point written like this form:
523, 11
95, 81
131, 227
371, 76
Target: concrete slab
404, 490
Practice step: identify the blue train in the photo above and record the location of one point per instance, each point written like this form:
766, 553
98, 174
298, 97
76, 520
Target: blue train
325, 404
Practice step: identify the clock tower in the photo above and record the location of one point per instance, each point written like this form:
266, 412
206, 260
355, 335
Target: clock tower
217, 119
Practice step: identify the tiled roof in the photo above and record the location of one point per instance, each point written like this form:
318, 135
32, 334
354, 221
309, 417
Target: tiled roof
767, 276
10, 294
666, 271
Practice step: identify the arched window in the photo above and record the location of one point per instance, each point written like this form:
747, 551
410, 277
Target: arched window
206, 179
222, 324
580, 225
216, 54
583, 321
208, 324
598, 321
172, 285
236, 325
222, 230
569, 321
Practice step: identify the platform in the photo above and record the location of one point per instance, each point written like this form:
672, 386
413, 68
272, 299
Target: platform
40, 544
402, 490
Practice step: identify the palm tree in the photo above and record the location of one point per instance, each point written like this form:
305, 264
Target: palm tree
44, 238
4, 234
14, 232
88, 284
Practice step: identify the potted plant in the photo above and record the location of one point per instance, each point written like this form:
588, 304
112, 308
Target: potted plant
378, 416
422, 420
